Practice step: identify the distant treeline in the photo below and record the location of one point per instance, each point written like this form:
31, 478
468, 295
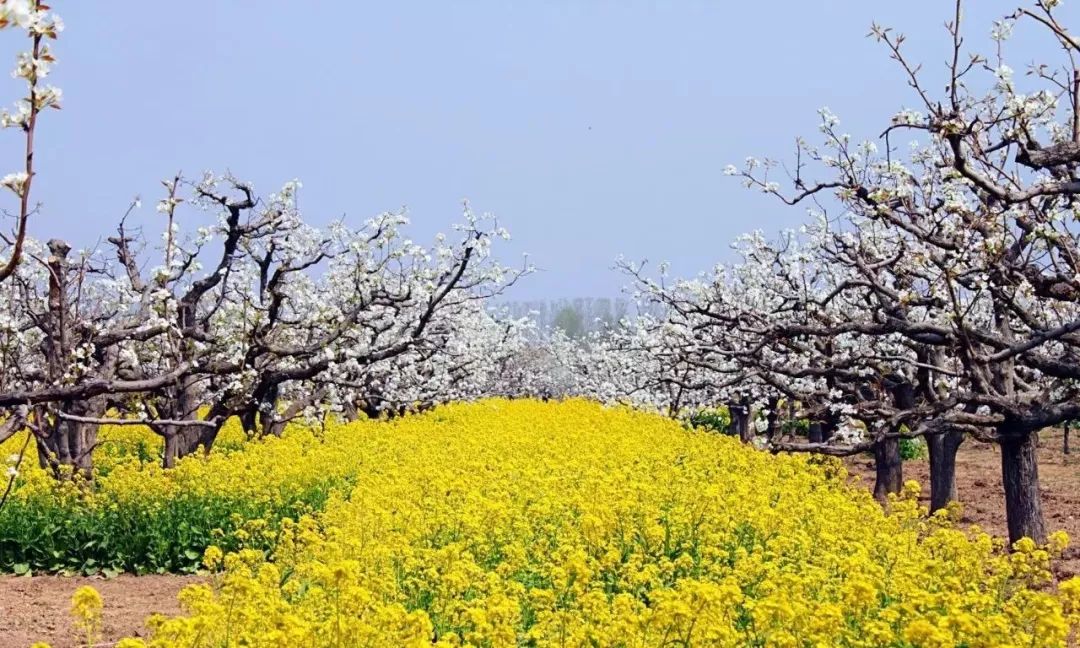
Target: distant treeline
576, 316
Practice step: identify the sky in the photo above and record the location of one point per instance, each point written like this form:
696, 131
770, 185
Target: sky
590, 128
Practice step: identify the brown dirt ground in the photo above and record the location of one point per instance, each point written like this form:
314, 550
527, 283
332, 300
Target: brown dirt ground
37, 608
978, 486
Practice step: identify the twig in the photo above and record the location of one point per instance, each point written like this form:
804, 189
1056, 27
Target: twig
18, 464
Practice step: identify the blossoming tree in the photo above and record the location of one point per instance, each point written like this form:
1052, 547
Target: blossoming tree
960, 245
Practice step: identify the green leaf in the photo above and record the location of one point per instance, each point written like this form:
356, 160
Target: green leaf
22, 569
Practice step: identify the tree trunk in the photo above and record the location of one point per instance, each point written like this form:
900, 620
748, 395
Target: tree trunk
64, 444
181, 441
829, 426
814, 433
888, 468
370, 408
349, 411
1020, 476
942, 448
888, 464
70, 444
277, 425
772, 419
1065, 442
249, 421
740, 420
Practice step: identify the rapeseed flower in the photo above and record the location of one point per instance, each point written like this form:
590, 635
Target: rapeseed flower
504, 523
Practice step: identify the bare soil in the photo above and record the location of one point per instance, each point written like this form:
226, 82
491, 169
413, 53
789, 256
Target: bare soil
37, 608
979, 489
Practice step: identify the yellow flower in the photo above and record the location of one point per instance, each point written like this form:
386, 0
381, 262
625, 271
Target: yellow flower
1058, 542
213, 557
520, 522
86, 606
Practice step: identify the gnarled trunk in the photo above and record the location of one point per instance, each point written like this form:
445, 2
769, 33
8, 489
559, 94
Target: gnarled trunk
829, 425
249, 421
772, 419
64, 444
370, 408
350, 412
1020, 476
268, 419
740, 420
181, 441
294, 409
888, 468
942, 448
888, 464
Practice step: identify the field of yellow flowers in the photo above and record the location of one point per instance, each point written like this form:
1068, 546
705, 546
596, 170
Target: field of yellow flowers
510, 523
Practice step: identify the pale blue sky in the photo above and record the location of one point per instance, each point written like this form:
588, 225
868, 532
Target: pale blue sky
590, 128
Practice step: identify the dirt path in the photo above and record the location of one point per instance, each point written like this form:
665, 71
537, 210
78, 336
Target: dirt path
37, 608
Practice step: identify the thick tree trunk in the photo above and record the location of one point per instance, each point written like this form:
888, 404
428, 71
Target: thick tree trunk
350, 412
181, 441
69, 445
740, 420
249, 421
746, 431
888, 468
64, 444
772, 419
888, 464
1020, 475
942, 448
814, 433
370, 408
829, 426
277, 425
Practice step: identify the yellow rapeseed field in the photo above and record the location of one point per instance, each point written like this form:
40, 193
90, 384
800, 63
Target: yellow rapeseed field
521, 523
